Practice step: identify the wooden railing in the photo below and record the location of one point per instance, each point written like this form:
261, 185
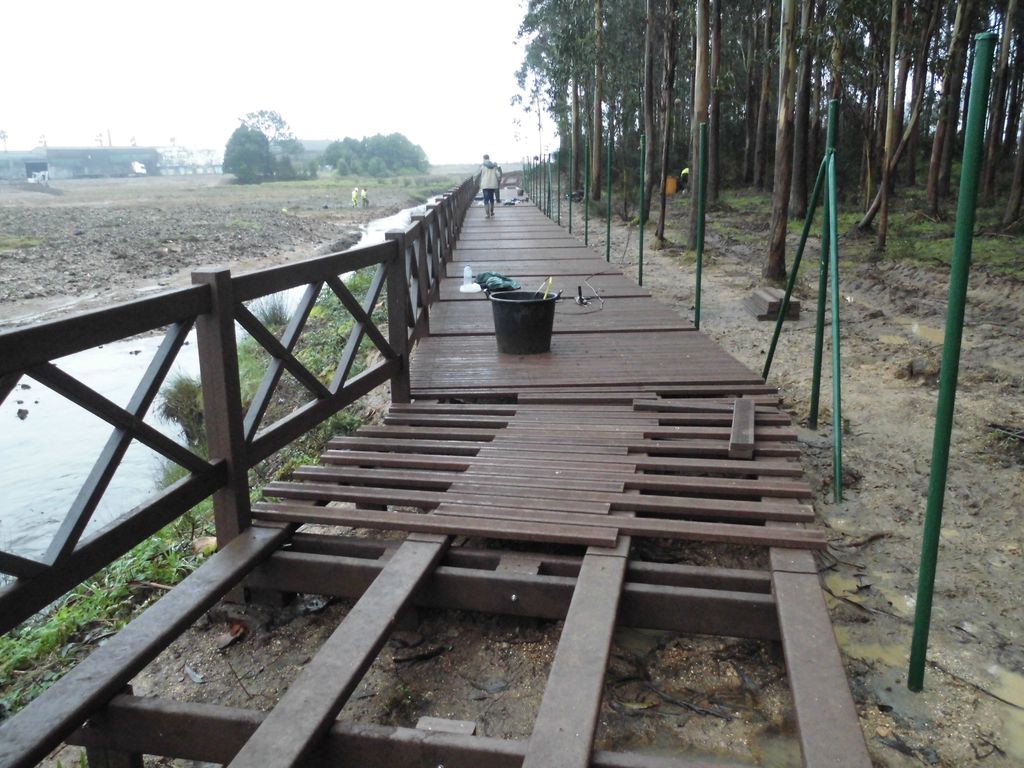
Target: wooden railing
409, 266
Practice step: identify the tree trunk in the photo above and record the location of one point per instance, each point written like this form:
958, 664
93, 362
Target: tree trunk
667, 87
924, 44
761, 142
775, 264
890, 128
648, 112
595, 139
801, 120
948, 104
997, 114
751, 111
715, 109
575, 143
903, 70
957, 105
700, 111
1014, 110
1013, 204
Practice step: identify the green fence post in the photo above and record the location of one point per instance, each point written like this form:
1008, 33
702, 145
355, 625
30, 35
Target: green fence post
608, 209
586, 193
791, 283
558, 186
571, 190
819, 322
837, 371
974, 138
643, 151
547, 186
702, 182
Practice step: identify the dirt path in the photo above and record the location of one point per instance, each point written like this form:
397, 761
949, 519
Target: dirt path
972, 712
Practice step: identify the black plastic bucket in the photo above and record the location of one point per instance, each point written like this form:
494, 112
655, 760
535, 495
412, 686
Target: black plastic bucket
523, 321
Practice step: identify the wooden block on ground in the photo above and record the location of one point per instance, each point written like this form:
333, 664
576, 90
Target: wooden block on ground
741, 436
765, 303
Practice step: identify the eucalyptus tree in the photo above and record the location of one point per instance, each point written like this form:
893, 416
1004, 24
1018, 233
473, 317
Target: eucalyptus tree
1000, 83
775, 263
949, 105
559, 57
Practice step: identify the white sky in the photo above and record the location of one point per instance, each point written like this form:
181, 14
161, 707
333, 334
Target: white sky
441, 73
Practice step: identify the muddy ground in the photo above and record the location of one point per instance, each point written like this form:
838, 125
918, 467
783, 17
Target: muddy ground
80, 244
725, 699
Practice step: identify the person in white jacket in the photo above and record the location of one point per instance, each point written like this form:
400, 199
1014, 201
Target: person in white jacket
490, 181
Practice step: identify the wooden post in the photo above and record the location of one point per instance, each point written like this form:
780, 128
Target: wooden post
222, 402
398, 321
430, 280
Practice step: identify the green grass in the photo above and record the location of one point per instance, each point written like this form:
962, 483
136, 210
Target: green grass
913, 237
15, 243
34, 655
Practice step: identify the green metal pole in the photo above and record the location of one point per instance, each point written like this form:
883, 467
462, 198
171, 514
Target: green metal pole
837, 371
586, 193
558, 186
608, 209
547, 167
702, 183
571, 190
974, 137
643, 152
808, 221
819, 322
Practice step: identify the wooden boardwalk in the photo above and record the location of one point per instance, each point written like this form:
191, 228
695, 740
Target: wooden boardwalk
633, 426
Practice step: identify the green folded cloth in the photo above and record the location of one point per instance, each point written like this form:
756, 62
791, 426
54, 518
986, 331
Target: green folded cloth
492, 281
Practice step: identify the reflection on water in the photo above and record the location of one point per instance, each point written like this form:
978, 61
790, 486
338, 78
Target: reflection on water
47, 455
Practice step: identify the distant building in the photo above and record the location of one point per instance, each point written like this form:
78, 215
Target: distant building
94, 162
56, 163
180, 161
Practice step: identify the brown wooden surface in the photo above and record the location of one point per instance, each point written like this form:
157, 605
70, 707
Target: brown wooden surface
629, 428
605, 284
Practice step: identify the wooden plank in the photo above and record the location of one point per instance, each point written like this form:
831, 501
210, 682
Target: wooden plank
684, 530
308, 708
563, 733
31, 735
479, 526
830, 731
741, 434
208, 733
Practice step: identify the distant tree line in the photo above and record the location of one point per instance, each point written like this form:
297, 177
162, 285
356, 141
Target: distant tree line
263, 148
378, 155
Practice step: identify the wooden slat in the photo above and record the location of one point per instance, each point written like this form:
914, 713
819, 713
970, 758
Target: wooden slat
685, 530
741, 434
829, 727
563, 732
479, 526
308, 708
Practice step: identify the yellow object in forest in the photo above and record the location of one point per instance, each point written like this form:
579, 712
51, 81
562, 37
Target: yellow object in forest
670, 185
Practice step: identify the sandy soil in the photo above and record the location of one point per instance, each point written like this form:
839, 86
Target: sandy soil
972, 712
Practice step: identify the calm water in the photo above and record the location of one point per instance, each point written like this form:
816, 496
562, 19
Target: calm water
47, 455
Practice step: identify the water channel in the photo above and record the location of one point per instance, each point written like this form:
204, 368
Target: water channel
48, 445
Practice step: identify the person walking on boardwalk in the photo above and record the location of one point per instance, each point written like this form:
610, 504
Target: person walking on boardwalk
490, 180
355, 197
365, 199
